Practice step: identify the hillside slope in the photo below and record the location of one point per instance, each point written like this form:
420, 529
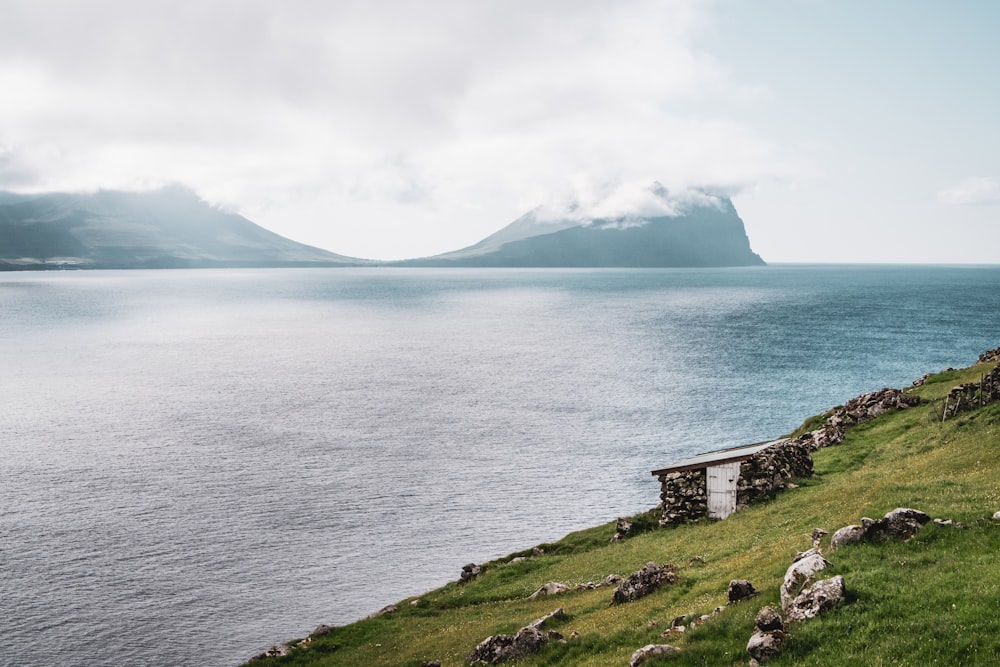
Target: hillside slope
934, 599
168, 228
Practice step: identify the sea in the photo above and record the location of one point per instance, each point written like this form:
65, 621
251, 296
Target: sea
198, 464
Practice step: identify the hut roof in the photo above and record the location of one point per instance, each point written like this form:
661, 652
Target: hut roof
717, 457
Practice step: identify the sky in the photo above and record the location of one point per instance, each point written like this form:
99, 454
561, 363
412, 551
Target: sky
844, 131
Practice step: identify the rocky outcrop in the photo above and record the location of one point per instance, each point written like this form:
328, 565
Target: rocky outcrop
813, 600
528, 640
645, 581
651, 651
768, 636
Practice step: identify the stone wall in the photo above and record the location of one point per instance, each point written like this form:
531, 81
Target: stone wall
683, 496
768, 471
858, 410
989, 355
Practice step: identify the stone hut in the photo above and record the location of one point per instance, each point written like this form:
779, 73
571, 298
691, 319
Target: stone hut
718, 483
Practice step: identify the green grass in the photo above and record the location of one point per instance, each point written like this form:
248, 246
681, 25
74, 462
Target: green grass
932, 600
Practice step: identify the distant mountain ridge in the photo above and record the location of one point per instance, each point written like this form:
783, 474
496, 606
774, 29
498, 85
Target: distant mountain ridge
697, 231
174, 228
167, 228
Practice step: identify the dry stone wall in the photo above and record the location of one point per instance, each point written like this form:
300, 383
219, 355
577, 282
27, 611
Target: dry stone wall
989, 355
683, 496
769, 470
974, 394
857, 411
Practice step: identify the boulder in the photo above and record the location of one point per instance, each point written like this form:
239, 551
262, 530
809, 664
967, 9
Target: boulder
389, 609
847, 535
798, 575
901, 524
278, 650
740, 589
498, 648
768, 620
817, 536
649, 651
765, 645
529, 639
996, 516
819, 597
808, 552
469, 572
623, 528
768, 636
559, 613
550, 588
322, 629
644, 582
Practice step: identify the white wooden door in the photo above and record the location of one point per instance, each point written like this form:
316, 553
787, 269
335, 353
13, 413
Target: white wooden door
721, 487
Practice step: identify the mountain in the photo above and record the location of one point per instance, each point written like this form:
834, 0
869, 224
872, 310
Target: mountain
697, 229
167, 228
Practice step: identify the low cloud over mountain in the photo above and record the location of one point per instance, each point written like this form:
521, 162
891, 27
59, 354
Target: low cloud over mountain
649, 228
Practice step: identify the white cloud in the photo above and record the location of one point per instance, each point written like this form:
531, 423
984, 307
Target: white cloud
619, 204
972, 191
382, 129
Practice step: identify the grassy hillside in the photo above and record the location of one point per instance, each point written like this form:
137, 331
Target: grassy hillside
932, 600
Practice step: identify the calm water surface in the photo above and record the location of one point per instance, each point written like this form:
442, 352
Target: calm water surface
197, 464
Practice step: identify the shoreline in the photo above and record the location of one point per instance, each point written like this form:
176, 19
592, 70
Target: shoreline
866, 407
